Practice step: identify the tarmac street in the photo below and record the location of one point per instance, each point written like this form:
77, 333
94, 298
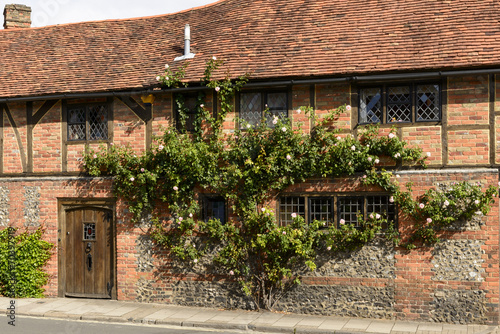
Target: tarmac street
112, 311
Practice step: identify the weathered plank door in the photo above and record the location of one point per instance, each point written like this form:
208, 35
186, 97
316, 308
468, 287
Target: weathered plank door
89, 239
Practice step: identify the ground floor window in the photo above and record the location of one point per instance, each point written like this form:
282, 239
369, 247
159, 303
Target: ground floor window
213, 207
332, 209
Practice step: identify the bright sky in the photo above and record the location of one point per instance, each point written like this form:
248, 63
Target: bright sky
49, 12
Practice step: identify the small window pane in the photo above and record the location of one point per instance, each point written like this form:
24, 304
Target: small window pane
349, 208
321, 209
428, 103
89, 231
214, 208
398, 104
98, 122
185, 121
370, 105
277, 105
289, 205
76, 124
251, 108
383, 206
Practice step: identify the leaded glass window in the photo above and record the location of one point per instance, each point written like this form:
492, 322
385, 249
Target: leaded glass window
398, 104
89, 231
255, 106
370, 105
88, 122
381, 205
428, 103
407, 103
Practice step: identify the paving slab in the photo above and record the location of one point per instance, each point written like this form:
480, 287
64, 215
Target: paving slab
357, 324
405, 327
384, 327
333, 324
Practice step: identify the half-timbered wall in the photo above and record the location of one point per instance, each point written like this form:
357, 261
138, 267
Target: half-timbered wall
40, 168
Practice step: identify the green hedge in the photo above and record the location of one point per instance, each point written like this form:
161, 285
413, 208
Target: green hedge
22, 257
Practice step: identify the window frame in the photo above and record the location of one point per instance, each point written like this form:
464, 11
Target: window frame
205, 199
264, 98
87, 123
186, 129
413, 100
335, 199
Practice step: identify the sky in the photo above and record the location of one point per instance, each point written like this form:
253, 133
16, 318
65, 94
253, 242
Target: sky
50, 12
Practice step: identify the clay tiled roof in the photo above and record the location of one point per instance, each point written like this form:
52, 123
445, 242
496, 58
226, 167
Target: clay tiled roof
272, 39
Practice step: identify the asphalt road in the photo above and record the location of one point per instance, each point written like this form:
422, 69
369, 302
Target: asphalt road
28, 325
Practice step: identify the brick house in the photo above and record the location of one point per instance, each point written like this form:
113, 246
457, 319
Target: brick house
429, 68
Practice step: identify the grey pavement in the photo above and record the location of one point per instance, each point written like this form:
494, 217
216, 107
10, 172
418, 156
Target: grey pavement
270, 322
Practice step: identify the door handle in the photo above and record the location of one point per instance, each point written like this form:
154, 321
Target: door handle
89, 262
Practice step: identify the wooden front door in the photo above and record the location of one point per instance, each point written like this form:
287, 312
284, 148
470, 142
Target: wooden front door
88, 252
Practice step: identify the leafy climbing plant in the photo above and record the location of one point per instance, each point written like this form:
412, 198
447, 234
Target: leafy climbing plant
249, 168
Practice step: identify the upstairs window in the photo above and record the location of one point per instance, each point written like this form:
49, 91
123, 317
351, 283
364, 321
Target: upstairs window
186, 108
88, 122
253, 106
400, 104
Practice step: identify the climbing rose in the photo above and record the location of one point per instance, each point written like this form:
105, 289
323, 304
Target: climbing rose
353, 148
391, 199
347, 107
283, 129
195, 261
284, 232
371, 215
476, 202
214, 58
160, 147
190, 215
377, 161
428, 154
95, 156
132, 179
142, 170
231, 272
370, 159
263, 209
342, 222
166, 66
175, 188
377, 216
421, 205
429, 220
158, 78
180, 219
391, 135
294, 215
217, 88
299, 111
446, 203
328, 248
288, 157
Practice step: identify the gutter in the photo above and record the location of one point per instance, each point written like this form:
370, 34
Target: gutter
366, 78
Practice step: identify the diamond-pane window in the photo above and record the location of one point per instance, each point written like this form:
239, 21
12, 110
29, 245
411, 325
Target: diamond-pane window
370, 105
98, 121
428, 103
398, 104
349, 208
88, 122
76, 124
289, 205
256, 106
251, 108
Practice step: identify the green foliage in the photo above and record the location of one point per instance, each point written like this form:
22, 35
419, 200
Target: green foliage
252, 166
22, 257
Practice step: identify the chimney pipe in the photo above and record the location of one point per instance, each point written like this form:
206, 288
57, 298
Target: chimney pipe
187, 44
17, 16
187, 40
